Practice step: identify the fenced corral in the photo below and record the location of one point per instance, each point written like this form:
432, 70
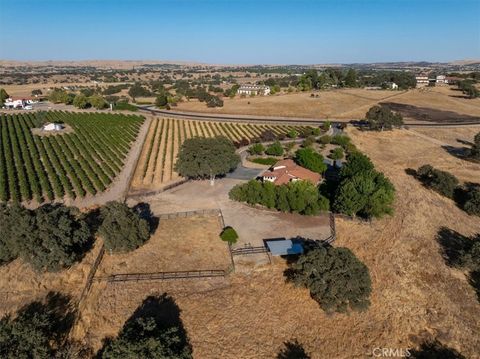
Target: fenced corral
248, 250
137, 277
140, 194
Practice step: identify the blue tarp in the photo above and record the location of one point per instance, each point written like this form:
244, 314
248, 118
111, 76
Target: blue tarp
284, 247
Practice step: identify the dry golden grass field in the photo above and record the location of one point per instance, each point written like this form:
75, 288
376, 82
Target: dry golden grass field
347, 104
20, 284
415, 297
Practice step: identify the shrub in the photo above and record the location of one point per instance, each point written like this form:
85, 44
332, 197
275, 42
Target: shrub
475, 151
310, 159
229, 235
275, 149
268, 136
309, 141
325, 139
214, 101
301, 196
161, 100
326, 125
256, 149
440, 181
340, 140
124, 106
292, 134
336, 278
472, 201
122, 229
337, 153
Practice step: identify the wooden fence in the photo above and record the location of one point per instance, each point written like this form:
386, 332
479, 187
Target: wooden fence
191, 274
200, 212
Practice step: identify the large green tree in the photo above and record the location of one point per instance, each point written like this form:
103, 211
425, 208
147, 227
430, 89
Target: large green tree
122, 228
58, 238
311, 159
351, 78
440, 181
201, 158
50, 238
362, 190
38, 330
3, 96
336, 278
97, 101
81, 101
381, 118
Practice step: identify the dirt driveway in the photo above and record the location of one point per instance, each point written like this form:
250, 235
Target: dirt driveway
252, 224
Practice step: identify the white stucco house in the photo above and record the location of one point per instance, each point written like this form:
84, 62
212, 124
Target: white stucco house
249, 90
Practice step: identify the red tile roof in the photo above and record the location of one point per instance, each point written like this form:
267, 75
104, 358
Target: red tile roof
286, 170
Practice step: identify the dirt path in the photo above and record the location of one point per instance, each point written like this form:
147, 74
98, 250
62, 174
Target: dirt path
428, 138
119, 187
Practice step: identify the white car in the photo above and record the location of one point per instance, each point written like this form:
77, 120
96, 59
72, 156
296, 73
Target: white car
28, 107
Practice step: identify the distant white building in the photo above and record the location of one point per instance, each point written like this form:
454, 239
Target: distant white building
392, 85
11, 103
18, 103
253, 90
422, 80
52, 127
441, 80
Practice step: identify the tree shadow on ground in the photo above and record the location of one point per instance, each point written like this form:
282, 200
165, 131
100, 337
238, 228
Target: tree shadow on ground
458, 152
453, 245
164, 313
429, 114
94, 220
435, 350
474, 281
53, 317
144, 211
293, 350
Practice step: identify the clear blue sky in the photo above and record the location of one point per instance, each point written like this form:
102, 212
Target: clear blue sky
241, 31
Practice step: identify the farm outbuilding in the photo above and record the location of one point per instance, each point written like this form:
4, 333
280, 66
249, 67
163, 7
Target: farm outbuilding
53, 127
283, 247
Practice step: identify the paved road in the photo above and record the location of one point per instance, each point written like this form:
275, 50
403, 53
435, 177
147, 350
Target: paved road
278, 120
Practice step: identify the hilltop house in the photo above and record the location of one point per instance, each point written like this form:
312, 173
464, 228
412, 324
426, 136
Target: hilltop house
253, 90
441, 80
286, 171
422, 80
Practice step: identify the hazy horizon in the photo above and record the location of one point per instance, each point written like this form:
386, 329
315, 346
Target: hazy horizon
246, 32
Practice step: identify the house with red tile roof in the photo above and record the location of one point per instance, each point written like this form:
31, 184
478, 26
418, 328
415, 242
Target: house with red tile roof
286, 171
